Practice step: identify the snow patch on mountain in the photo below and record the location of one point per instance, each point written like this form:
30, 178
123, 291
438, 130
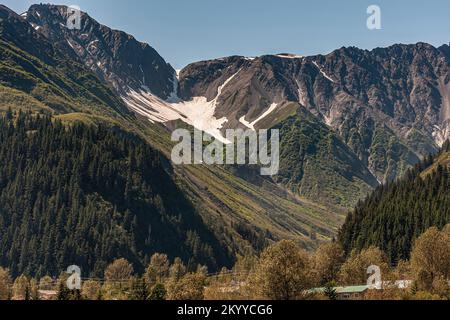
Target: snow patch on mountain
149, 106
441, 133
301, 96
251, 125
143, 75
92, 43
70, 44
328, 120
444, 90
35, 26
323, 72
198, 112
330, 116
373, 174
289, 56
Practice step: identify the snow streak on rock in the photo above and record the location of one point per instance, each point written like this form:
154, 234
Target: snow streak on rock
251, 125
323, 72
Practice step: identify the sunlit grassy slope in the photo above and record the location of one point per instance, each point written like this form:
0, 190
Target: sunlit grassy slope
443, 160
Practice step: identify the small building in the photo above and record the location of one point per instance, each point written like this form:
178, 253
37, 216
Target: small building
351, 292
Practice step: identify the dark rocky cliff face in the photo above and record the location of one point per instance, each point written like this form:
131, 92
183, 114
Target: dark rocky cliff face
116, 57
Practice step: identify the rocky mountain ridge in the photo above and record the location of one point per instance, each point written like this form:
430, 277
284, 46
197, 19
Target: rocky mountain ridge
397, 95
115, 56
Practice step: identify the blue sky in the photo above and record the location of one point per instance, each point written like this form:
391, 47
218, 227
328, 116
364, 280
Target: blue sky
186, 31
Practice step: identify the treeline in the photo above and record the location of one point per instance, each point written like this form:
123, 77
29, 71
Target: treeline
161, 280
397, 213
86, 195
283, 271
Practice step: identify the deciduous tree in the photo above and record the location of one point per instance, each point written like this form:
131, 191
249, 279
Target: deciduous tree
20, 288
189, 287
5, 284
327, 262
177, 269
91, 290
430, 258
354, 269
283, 272
119, 270
158, 268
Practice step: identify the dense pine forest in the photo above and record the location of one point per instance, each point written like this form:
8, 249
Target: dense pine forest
87, 195
397, 213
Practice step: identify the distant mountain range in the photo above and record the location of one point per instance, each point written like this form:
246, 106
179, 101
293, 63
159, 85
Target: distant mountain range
349, 120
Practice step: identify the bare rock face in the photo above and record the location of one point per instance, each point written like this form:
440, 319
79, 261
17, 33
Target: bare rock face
116, 57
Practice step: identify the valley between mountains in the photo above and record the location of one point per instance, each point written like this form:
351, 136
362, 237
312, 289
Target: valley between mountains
103, 106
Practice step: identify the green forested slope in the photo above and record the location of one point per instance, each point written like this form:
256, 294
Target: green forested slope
396, 213
60, 89
315, 163
87, 195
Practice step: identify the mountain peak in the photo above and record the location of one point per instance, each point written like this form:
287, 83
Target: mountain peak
115, 56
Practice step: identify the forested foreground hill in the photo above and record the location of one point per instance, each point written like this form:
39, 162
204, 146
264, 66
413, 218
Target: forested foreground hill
395, 214
87, 195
